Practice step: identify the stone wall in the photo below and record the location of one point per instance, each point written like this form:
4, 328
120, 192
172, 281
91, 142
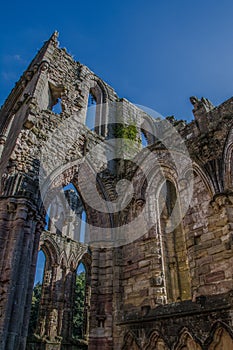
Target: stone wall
165, 288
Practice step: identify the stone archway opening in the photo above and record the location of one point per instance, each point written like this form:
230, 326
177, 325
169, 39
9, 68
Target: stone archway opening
78, 331
62, 243
66, 215
37, 291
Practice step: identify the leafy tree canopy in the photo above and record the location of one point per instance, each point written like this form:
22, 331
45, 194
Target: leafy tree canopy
36, 296
79, 300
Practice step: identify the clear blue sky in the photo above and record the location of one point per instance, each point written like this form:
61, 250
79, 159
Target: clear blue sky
156, 53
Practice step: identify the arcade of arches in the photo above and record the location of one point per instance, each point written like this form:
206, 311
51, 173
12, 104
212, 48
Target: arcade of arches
138, 252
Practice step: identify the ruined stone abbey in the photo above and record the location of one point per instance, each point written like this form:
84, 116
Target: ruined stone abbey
157, 239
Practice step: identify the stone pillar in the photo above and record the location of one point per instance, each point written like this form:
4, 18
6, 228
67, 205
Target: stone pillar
19, 232
67, 322
101, 321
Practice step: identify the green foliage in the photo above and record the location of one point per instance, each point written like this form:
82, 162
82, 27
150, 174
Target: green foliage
126, 132
36, 296
78, 308
130, 135
78, 311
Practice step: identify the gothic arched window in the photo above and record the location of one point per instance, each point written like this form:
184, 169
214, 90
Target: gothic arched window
174, 247
81, 302
96, 110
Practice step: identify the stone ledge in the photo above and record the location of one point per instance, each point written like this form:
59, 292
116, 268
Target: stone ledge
203, 304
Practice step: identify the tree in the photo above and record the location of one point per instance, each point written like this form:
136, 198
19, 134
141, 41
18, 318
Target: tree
36, 296
79, 301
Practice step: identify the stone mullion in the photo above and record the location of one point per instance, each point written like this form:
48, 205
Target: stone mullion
42, 321
167, 258
163, 249
47, 303
60, 297
67, 322
86, 309
53, 304
173, 265
71, 302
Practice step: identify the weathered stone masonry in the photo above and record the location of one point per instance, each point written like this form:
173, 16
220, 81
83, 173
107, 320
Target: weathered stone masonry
160, 291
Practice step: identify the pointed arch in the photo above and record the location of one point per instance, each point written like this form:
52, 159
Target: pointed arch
130, 342
204, 177
63, 259
40, 267
99, 93
154, 175
65, 207
72, 262
95, 80
148, 130
221, 337
69, 174
51, 249
186, 342
86, 260
156, 342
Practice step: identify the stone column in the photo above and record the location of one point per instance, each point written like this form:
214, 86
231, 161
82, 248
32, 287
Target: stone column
19, 233
69, 286
101, 300
51, 307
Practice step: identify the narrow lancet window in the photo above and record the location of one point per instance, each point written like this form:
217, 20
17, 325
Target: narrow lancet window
174, 247
79, 303
91, 112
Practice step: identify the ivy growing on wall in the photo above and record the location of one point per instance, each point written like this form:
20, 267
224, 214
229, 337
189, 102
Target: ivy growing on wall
126, 132
78, 307
129, 133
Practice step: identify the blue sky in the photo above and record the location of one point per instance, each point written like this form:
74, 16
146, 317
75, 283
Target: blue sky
156, 53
